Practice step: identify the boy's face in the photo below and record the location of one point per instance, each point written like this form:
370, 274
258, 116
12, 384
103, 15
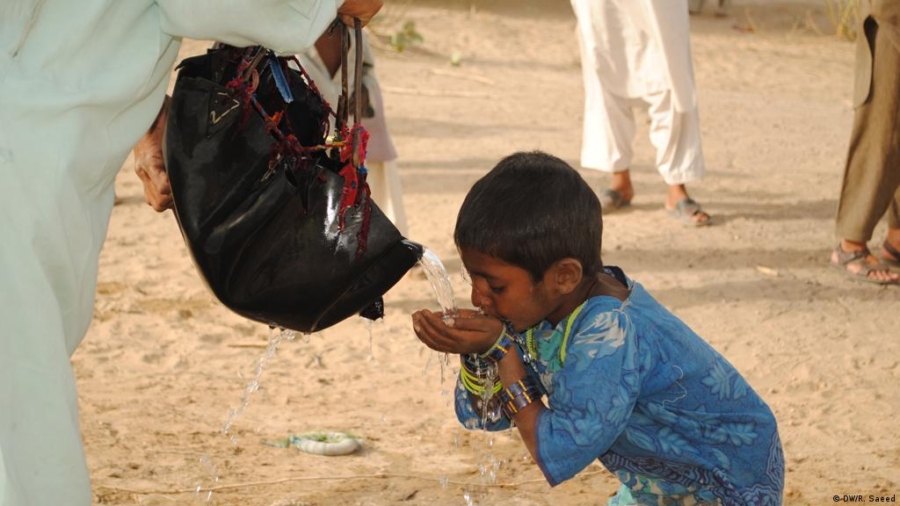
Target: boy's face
506, 291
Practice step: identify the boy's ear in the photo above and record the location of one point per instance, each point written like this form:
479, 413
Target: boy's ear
567, 275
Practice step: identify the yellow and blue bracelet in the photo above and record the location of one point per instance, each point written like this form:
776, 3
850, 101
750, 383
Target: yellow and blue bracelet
500, 348
518, 396
478, 374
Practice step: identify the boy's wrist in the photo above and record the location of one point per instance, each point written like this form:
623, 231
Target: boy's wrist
499, 349
511, 368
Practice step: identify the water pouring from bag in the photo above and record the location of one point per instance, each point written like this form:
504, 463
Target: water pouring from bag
440, 283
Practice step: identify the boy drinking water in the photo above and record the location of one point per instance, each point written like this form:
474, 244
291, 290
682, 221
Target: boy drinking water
626, 381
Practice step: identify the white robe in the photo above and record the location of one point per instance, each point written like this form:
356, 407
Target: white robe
638, 53
80, 82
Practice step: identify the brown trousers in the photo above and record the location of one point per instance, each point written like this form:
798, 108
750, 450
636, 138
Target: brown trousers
871, 184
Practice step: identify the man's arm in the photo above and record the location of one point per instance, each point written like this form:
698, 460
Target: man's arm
285, 26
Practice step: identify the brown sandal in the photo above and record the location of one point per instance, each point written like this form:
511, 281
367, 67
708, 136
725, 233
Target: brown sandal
847, 258
685, 211
893, 252
611, 200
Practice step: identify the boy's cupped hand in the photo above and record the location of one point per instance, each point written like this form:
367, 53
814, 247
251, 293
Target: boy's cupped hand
469, 332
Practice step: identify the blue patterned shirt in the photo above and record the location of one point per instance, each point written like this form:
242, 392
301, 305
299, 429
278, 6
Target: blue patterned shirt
632, 385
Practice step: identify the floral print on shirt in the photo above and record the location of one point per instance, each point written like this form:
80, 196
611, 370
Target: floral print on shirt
657, 405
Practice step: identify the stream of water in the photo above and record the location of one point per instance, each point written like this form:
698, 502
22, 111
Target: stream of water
440, 283
488, 464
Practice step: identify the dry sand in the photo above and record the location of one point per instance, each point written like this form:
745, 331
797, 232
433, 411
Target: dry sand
164, 363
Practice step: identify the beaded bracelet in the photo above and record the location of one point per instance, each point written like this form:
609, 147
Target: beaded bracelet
519, 395
481, 381
475, 377
500, 348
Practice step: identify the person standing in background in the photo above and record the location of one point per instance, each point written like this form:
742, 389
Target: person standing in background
871, 184
80, 83
637, 53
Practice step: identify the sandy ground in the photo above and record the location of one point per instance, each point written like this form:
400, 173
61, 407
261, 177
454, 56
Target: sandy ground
164, 363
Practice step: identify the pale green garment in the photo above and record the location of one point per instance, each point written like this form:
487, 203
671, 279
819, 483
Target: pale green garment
80, 82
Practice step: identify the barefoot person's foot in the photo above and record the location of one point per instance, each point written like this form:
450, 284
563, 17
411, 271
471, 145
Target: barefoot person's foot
619, 193
685, 209
855, 260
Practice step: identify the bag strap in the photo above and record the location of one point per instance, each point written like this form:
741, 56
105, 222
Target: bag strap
344, 100
357, 92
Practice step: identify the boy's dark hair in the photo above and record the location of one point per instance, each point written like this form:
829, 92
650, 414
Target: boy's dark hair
532, 210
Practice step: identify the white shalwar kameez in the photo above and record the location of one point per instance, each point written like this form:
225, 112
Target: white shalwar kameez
637, 53
80, 82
